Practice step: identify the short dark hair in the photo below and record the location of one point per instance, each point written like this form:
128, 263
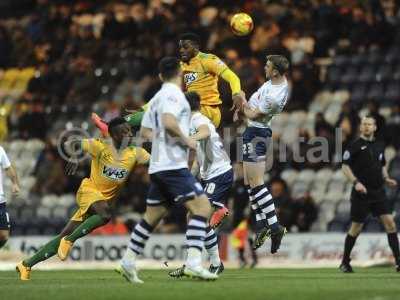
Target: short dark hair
194, 100
190, 36
169, 67
370, 117
115, 123
280, 63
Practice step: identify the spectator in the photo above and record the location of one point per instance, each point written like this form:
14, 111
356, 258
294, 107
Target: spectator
305, 213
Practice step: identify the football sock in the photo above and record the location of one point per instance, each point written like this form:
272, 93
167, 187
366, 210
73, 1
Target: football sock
2, 243
44, 253
86, 227
394, 245
348, 246
263, 198
254, 256
195, 236
139, 237
260, 216
135, 119
211, 245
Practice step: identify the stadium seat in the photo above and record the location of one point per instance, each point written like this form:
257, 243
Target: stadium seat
60, 212
367, 74
43, 212
341, 61
299, 189
392, 56
343, 207
358, 59
337, 226
289, 176
392, 93
324, 174
27, 212
384, 73
376, 91
358, 94
373, 225
306, 176
350, 76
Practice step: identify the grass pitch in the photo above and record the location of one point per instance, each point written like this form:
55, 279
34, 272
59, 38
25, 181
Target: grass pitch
268, 284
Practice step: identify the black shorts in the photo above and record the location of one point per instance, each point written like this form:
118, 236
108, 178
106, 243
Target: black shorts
373, 202
4, 218
172, 187
218, 188
255, 143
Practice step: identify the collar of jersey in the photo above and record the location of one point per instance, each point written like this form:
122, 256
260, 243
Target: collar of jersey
170, 84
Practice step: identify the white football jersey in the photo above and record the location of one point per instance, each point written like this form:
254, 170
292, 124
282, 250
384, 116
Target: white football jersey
167, 153
211, 155
269, 99
4, 164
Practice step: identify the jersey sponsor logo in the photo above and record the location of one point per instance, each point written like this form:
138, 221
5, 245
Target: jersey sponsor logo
188, 78
114, 173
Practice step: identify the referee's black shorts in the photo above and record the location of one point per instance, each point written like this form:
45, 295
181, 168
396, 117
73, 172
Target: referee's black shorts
373, 202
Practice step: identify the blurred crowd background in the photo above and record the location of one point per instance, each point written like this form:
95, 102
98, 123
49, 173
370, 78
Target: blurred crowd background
62, 60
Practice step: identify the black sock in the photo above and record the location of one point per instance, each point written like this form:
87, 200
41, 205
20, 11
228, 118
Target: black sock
348, 246
2, 243
394, 245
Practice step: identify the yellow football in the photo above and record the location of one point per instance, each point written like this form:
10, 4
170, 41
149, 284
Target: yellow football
241, 24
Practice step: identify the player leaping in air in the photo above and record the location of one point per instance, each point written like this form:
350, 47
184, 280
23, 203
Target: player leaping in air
110, 167
267, 102
201, 72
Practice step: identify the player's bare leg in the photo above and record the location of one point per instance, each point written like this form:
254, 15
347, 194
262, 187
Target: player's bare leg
4, 235
99, 215
47, 251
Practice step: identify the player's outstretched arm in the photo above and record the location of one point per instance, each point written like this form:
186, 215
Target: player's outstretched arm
72, 147
203, 132
172, 127
252, 114
12, 174
238, 97
146, 133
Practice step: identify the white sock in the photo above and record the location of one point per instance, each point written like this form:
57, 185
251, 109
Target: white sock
193, 258
214, 256
129, 258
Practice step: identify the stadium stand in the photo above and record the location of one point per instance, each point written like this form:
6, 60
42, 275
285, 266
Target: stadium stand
102, 57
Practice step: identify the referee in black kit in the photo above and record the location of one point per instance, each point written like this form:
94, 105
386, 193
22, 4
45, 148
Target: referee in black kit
364, 165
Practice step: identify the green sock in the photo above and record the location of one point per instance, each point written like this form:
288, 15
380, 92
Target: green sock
44, 253
2, 243
135, 119
86, 227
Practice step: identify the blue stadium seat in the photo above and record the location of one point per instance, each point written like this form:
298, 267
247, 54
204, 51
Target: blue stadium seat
384, 73
341, 61
367, 74
358, 59
350, 76
376, 91
373, 225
